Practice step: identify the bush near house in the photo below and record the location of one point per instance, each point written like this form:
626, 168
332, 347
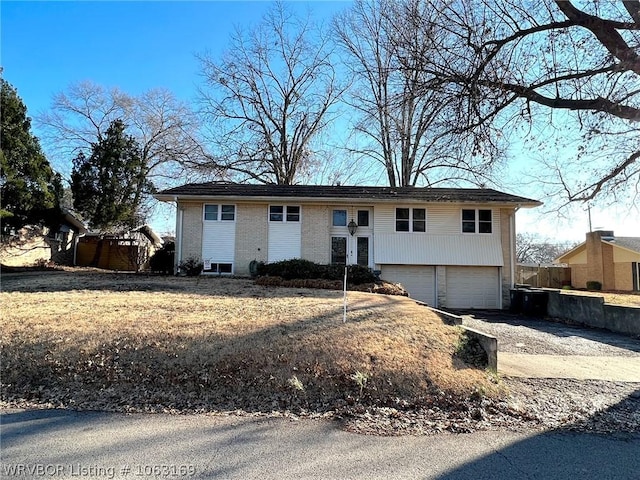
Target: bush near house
594, 285
306, 270
191, 267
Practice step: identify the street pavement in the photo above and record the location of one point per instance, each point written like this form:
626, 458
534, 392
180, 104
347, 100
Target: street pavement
83, 445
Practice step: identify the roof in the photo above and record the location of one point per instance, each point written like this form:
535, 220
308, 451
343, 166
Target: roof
72, 219
344, 192
148, 232
630, 243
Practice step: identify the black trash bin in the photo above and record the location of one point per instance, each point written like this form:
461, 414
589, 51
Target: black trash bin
515, 305
534, 303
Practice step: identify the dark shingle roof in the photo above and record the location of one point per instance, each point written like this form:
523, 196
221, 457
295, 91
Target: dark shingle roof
475, 195
631, 243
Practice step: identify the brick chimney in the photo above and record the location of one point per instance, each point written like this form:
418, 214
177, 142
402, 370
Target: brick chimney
600, 266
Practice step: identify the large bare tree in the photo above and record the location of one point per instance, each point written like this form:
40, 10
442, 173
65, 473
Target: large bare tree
164, 127
406, 116
268, 97
566, 73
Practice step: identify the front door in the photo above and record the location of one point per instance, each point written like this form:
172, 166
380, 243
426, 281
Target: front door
348, 249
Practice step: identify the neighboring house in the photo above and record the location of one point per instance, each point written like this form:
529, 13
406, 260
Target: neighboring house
603, 257
450, 248
35, 244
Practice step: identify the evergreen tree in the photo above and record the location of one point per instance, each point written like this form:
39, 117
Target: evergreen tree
109, 186
29, 188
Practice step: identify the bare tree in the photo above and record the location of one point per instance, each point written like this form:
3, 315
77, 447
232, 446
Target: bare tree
165, 128
532, 249
268, 97
570, 74
407, 117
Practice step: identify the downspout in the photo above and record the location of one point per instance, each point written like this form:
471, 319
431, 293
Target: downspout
179, 220
512, 235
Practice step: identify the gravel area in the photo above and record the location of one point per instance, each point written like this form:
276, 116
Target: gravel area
519, 334
585, 405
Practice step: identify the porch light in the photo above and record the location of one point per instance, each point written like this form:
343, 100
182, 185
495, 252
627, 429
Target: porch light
352, 227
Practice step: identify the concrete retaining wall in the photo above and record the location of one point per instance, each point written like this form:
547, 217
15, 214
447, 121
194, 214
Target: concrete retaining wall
592, 311
488, 342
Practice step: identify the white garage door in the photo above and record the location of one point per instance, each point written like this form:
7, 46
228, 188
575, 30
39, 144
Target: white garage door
473, 287
418, 280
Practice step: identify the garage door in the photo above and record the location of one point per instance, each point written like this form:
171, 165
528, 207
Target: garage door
473, 287
418, 280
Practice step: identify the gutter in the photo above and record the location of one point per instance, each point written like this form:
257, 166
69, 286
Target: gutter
335, 200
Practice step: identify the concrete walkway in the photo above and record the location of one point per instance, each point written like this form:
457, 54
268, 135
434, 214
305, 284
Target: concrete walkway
579, 367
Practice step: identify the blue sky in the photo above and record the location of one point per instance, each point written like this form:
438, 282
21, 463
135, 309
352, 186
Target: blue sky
136, 46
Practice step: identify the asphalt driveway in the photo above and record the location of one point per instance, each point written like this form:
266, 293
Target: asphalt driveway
537, 348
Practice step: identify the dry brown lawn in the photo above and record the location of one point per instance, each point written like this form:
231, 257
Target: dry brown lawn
130, 342
615, 298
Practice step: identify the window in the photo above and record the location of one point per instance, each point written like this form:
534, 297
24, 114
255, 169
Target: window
339, 218
211, 212
476, 221
293, 214
419, 220
468, 221
219, 268
363, 251
411, 220
276, 213
402, 219
284, 213
226, 213
363, 218
339, 250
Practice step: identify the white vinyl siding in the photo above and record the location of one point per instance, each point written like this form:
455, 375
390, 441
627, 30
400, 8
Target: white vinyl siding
438, 249
285, 241
418, 280
473, 287
218, 242
441, 219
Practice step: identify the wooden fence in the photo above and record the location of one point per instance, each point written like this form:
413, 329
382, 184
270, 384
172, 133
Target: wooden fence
543, 276
111, 253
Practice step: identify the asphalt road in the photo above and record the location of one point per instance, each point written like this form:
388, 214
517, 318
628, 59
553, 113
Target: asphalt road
76, 445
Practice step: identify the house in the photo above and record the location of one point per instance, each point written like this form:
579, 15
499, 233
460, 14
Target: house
451, 248
35, 244
603, 257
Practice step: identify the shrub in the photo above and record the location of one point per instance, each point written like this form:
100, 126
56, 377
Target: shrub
162, 260
304, 269
191, 267
290, 269
358, 274
594, 285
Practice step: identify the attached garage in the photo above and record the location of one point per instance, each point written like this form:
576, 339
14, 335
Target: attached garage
473, 287
418, 280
